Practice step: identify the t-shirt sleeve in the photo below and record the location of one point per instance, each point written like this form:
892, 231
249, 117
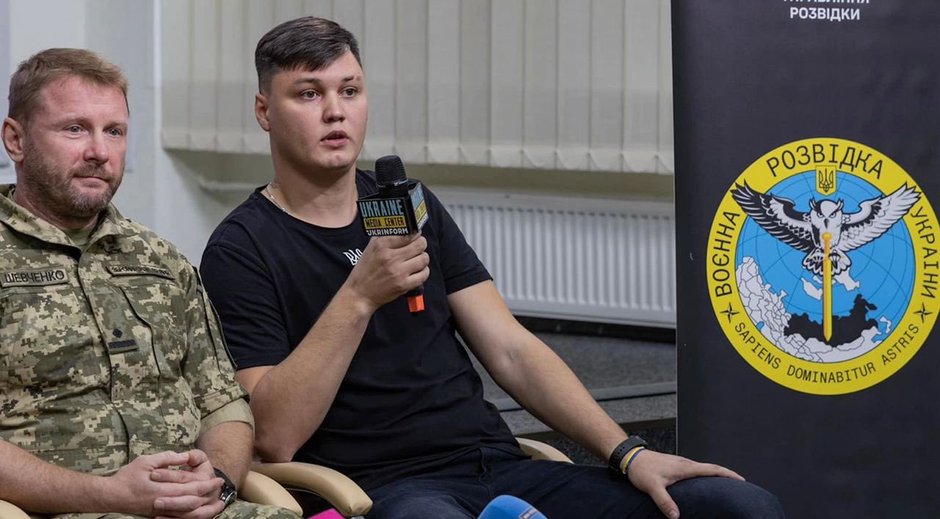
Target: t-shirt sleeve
459, 263
245, 298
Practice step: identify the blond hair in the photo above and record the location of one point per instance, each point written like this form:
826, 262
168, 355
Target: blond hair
52, 65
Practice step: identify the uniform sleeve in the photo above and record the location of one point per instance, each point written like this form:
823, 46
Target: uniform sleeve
234, 411
459, 262
208, 367
243, 292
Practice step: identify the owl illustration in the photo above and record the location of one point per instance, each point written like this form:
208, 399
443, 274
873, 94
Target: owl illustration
804, 231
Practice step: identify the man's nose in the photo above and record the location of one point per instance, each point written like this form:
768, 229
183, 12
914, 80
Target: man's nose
97, 150
333, 108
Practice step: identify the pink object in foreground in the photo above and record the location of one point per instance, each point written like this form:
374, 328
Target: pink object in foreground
328, 514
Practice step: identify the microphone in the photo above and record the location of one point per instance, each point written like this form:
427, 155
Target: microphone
509, 507
328, 514
397, 209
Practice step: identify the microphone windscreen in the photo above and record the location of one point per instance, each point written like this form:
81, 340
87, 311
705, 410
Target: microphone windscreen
328, 514
389, 170
509, 507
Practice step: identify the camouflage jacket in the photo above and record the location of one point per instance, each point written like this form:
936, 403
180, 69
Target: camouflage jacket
109, 353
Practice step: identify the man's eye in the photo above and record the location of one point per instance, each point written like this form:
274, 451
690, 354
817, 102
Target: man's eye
74, 129
116, 132
309, 94
350, 91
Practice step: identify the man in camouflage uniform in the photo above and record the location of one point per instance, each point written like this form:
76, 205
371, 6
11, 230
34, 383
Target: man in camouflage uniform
116, 393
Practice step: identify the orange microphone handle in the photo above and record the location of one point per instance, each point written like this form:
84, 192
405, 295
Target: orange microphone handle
415, 300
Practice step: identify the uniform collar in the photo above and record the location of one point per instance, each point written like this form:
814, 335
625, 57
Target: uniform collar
22, 220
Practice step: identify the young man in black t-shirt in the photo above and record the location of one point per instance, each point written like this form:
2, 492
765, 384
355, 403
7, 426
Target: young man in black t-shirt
341, 374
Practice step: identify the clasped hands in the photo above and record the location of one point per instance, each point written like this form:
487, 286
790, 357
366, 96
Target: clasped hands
169, 484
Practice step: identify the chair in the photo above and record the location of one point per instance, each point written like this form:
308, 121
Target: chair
10, 511
257, 488
344, 494
263, 490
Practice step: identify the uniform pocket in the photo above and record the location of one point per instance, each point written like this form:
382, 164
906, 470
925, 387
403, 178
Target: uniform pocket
45, 333
159, 306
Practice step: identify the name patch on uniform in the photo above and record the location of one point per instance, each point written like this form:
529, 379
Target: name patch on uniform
39, 277
139, 270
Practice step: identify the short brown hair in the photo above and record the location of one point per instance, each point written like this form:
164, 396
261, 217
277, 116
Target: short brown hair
309, 42
51, 65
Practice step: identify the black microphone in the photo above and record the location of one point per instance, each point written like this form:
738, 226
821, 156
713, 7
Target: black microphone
397, 209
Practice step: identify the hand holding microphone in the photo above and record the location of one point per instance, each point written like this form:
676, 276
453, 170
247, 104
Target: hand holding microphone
398, 209
389, 267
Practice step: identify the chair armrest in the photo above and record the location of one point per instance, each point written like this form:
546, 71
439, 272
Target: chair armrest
341, 492
263, 490
10, 511
541, 451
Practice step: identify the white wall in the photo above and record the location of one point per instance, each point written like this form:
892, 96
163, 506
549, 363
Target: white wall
23, 31
4, 73
158, 190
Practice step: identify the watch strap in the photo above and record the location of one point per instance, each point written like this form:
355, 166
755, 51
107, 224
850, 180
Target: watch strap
228, 492
616, 457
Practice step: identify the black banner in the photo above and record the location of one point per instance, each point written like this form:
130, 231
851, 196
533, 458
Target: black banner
807, 177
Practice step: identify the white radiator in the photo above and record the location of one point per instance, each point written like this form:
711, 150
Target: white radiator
608, 261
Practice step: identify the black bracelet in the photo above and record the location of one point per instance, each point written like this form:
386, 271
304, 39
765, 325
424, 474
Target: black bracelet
616, 457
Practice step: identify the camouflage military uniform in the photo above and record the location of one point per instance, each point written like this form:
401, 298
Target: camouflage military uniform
109, 353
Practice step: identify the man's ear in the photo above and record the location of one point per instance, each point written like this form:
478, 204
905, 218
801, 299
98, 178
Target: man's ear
13, 134
261, 111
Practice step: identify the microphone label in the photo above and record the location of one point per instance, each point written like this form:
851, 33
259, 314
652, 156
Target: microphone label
420, 208
394, 216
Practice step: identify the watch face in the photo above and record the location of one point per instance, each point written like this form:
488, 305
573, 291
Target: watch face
228, 494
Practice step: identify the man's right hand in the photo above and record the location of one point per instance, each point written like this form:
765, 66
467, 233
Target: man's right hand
135, 490
389, 267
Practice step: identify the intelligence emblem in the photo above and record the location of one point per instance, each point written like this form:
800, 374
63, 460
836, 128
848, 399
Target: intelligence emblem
823, 268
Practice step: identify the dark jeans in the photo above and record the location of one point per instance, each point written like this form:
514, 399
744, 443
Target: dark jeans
560, 491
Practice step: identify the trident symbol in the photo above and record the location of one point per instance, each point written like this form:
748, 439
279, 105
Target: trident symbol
826, 179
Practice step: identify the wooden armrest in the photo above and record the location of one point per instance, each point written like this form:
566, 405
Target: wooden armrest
341, 492
263, 490
10, 511
541, 451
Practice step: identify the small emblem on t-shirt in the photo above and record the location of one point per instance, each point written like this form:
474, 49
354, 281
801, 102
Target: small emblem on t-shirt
353, 256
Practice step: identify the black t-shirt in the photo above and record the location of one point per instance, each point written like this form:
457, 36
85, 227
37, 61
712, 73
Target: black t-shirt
411, 399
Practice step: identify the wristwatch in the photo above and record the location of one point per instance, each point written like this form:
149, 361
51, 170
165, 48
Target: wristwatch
616, 457
228, 493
